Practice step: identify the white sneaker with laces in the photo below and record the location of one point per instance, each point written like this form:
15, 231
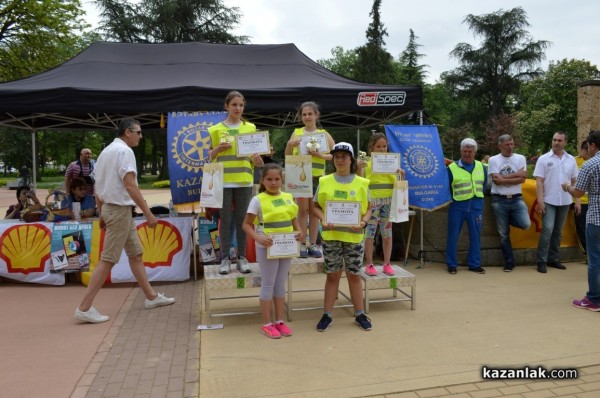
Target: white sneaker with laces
91, 316
159, 301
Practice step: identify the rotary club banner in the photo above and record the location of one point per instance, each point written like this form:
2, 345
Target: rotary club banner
188, 142
423, 162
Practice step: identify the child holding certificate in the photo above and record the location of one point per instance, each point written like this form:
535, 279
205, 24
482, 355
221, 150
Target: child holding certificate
309, 112
380, 188
342, 205
237, 180
276, 214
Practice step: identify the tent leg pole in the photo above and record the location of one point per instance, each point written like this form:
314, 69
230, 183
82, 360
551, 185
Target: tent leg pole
33, 159
421, 254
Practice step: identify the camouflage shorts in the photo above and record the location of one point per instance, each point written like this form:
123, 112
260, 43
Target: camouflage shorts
337, 253
380, 215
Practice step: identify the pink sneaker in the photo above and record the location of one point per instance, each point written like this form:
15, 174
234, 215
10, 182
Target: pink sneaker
586, 304
271, 331
283, 329
370, 270
388, 270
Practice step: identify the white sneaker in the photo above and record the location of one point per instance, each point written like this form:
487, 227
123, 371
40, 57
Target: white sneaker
159, 301
225, 267
92, 316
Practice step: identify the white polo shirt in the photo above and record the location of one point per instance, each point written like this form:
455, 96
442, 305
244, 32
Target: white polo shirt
502, 165
556, 171
114, 162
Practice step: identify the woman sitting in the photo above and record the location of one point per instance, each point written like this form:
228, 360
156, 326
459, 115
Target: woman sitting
25, 197
78, 195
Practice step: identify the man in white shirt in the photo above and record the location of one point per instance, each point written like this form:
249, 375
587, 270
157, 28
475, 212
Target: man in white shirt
508, 171
116, 193
552, 170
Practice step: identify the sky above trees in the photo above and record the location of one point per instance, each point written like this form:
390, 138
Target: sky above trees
317, 27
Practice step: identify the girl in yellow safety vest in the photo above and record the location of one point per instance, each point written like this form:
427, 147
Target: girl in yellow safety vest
309, 112
275, 211
342, 205
238, 178
380, 188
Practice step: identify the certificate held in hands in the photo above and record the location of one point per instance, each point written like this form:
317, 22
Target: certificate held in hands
342, 213
284, 245
385, 162
253, 143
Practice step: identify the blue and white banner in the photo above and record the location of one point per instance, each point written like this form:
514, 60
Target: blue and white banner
188, 143
423, 161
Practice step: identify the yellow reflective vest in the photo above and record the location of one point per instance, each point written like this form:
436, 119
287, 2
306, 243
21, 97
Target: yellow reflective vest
466, 185
356, 191
318, 164
278, 211
237, 171
380, 185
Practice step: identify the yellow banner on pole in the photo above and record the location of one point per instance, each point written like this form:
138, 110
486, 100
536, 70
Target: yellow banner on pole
529, 239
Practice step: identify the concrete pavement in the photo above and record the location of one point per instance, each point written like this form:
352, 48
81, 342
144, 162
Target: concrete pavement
461, 323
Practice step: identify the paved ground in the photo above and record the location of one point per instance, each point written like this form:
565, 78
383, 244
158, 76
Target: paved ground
461, 323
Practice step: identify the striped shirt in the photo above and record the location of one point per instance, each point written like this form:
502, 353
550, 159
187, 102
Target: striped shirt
588, 181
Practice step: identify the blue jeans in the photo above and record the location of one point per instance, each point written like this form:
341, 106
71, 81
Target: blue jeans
592, 236
509, 212
553, 221
456, 219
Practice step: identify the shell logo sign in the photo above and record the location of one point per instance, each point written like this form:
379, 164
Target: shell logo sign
160, 243
25, 248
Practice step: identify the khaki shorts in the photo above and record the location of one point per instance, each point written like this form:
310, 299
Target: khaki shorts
121, 233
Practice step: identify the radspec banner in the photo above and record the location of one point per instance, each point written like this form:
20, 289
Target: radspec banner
422, 159
188, 143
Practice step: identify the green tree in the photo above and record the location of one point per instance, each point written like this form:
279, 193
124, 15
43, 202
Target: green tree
489, 75
374, 64
38, 35
159, 21
343, 62
549, 103
410, 71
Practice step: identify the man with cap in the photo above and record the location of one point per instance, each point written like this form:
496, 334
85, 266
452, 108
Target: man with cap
343, 243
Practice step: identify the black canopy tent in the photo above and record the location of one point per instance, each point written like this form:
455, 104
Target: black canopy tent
109, 81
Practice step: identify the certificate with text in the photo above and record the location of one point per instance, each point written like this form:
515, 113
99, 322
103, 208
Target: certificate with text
284, 245
342, 213
253, 143
319, 138
385, 163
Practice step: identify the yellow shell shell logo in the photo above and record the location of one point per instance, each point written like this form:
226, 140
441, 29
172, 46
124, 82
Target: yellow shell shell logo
25, 248
160, 243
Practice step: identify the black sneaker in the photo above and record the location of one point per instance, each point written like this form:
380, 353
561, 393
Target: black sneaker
452, 270
556, 265
508, 267
324, 323
541, 268
363, 321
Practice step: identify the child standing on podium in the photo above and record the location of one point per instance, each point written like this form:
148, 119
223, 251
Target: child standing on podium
380, 187
275, 211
